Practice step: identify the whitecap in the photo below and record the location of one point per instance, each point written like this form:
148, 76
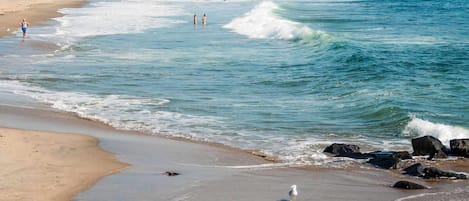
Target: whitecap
262, 23
420, 127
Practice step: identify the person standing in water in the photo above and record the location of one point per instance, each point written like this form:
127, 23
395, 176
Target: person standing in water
24, 27
195, 19
204, 19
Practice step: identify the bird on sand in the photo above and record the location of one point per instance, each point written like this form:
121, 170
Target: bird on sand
293, 193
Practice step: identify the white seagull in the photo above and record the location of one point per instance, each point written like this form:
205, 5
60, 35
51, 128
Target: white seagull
293, 193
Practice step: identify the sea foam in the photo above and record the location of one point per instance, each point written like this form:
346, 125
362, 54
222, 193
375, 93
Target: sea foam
420, 127
119, 111
148, 115
116, 17
262, 23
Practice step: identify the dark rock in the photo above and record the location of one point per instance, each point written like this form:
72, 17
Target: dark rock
433, 172
384, 162
341, 149
429, 145
388, 159
460, 147
356, 155
414, 170
408, 185
403, 155
168, 173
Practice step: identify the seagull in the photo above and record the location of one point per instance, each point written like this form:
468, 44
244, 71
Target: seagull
293, 193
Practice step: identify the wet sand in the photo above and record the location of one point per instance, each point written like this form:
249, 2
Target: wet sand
212, 172
35, 11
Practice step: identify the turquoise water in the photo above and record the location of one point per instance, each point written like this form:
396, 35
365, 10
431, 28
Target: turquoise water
285, 77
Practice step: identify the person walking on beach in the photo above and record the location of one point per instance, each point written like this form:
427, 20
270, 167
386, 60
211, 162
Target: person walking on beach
204, 19
24, 27
195, 19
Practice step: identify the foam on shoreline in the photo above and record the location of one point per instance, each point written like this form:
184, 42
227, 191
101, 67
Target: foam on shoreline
204, 169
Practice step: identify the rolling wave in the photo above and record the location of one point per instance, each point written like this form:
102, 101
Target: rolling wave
262, 23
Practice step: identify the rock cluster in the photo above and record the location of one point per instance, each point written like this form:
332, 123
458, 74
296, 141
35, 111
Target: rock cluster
422, 146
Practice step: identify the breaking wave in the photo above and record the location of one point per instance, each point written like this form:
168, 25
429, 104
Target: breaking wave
420, 127
262, 23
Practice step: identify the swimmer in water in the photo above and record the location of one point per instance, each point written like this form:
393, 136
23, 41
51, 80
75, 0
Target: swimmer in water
204, 19
195, 19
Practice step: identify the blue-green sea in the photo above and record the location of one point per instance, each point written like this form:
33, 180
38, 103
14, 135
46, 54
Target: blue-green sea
285, 77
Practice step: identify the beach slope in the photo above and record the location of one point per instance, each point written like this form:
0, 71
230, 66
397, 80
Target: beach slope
45, 166
35, 11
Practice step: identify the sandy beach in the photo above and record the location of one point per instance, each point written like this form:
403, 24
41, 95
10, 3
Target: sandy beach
50, 166
35, 11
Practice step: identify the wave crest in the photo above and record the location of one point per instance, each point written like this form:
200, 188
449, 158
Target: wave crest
262, 23
445, 133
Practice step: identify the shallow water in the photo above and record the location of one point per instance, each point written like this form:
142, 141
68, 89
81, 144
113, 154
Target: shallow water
286, 77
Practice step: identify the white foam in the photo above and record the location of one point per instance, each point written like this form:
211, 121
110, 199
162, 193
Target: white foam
121, 111
420, 127
251, 167
450, 195
11, 56
42, 55
143, 114
209, 1
118, 17
111, 18
149, 115
262, 23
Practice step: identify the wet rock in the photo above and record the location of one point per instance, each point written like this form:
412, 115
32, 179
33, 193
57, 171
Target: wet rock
460, 147
408, 185
433, 172
429, 145
385, 163
414, 170
342, 149
356, 155
402, 155
388, 159
171, 174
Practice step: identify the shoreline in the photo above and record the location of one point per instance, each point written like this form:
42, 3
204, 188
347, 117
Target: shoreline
51, 166
207, 169
37, 12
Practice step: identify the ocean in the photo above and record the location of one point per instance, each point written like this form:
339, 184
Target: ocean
284, 77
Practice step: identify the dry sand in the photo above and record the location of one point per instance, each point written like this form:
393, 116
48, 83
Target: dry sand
44, 166
35, 11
